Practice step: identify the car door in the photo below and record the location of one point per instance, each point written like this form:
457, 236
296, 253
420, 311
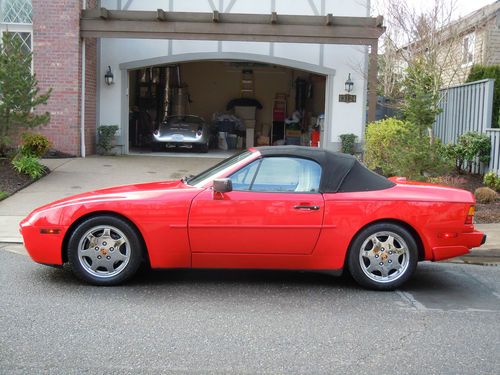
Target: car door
275, 208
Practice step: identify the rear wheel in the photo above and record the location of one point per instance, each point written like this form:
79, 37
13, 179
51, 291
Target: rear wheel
383, 256
104, 250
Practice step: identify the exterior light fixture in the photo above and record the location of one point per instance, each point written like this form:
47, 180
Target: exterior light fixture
349, 84
108, 77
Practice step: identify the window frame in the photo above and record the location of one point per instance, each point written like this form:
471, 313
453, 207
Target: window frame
469, 50
261, 160
11, 27
18, 23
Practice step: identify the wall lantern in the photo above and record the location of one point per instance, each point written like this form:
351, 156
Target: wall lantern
349, 84
108, 77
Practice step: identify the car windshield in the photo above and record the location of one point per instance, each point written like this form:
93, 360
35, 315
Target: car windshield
218, 167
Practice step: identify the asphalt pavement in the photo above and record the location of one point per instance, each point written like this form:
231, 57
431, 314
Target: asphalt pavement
445, 320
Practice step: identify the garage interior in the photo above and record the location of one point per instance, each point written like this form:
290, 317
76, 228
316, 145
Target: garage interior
243, 103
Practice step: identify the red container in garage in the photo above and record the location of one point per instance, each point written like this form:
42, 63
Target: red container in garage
315, 138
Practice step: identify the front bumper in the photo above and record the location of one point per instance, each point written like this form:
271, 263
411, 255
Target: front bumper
43, 248
179, 139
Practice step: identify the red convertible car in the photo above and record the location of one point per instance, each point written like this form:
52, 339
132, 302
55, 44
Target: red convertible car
284, 207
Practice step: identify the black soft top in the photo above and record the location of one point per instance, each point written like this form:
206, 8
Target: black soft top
341, 172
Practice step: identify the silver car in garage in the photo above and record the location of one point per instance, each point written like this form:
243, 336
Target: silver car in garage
182, 131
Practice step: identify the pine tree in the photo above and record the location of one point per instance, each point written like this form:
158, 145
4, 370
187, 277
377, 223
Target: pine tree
19, 92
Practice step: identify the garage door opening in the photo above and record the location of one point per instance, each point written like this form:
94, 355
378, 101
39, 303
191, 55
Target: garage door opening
222, 106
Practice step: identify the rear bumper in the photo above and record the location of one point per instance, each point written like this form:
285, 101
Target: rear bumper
484, 239
461, 246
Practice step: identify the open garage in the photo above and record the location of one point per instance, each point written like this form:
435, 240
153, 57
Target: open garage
240, 103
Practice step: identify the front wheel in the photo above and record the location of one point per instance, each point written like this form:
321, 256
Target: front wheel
104, 250
382, 256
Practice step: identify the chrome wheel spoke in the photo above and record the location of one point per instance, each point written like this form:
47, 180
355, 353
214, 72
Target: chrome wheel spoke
384, 256
384, 271
95, 265
100, 254
110, 267
401, 250
394, 258
92, 240
118, 257
119, 242
373, 267
90, 252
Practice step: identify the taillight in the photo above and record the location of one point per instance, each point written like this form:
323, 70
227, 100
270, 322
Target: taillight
470, 215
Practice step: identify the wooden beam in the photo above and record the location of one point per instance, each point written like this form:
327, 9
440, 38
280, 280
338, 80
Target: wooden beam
223, 31
230, 27
215, 16
329, 19
161, 15
379, 21
103, 13
274, 18
139, 15
372, 82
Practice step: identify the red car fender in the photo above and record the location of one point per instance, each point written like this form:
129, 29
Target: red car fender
161, 222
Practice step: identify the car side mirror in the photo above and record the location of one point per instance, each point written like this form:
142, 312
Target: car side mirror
223, 185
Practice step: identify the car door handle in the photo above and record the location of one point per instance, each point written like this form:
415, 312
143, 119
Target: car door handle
310, 208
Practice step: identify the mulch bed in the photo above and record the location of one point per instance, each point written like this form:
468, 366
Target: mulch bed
12, 181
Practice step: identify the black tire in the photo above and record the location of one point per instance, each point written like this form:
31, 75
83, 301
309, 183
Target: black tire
204, 148
91, 246
382, 266
157, 147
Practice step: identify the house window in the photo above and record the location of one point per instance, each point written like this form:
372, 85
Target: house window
16, 11
468, 49
16, 20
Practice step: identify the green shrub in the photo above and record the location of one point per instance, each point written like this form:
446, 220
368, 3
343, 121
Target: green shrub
34, 145
29, 165
3, 195
492, 180
394, 147
470, 146
106, 134
348, 143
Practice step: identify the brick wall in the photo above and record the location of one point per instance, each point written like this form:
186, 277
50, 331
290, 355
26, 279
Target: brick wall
90, 95
56, 52
57, 64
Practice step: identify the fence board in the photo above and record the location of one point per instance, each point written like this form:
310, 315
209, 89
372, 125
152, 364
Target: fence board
468, 108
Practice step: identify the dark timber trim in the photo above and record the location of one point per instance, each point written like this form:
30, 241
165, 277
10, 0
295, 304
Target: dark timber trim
329, 29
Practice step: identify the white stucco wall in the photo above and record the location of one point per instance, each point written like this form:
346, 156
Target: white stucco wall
337, 61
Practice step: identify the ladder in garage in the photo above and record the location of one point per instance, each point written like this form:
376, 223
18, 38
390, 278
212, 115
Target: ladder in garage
247, 87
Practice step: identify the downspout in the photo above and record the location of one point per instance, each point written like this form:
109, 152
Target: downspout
82, 104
